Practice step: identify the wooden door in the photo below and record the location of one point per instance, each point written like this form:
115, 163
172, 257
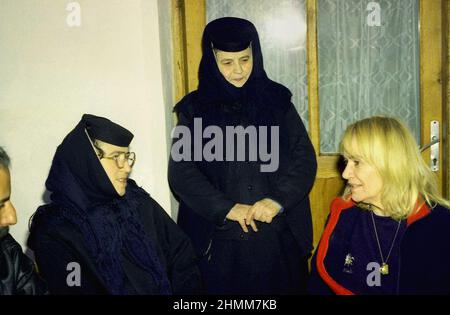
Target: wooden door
189, 20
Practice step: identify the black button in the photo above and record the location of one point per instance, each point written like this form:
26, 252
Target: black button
250, 187
242, 235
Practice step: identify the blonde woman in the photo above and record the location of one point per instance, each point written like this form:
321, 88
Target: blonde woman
390, 231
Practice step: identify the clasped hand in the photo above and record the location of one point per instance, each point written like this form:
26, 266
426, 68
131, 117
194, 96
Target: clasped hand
264, 211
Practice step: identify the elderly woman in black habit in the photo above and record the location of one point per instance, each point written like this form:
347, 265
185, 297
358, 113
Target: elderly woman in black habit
103, 234
251, 227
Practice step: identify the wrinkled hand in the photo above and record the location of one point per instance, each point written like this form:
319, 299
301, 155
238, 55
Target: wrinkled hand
239, 213
264, 210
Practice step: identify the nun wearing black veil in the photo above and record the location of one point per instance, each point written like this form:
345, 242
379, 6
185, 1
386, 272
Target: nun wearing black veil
102, 233
251, 227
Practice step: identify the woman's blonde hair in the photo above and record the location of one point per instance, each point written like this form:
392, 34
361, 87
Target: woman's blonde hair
386, 144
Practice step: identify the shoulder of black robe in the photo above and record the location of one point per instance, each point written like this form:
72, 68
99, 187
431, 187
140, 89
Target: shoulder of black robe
57, 249
186, 105
271, 94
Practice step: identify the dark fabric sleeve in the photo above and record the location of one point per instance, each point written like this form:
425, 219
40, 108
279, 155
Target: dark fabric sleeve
297, 177
181, 260
26, 280
194, 189
52, 258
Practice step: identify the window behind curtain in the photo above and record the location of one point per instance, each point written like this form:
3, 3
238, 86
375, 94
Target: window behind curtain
368, 64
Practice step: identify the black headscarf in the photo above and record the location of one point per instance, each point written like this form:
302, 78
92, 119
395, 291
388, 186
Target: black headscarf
87, 199
259, 93
77, 153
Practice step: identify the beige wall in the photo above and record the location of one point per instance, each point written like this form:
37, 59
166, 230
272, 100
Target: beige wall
50, 74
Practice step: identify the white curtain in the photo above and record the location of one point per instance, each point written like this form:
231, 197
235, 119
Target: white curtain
368, 64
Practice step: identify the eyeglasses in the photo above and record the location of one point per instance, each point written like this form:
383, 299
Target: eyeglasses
119, 158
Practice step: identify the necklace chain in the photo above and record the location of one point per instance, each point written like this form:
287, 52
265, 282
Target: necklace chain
378, 240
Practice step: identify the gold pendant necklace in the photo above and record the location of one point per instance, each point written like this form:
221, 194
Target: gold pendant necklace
384, 269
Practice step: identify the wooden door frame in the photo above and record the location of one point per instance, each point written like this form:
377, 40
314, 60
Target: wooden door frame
433, 98
446, 91
188, 22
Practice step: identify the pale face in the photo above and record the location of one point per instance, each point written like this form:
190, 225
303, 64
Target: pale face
364, 181
117, 176
235, 67
7, 210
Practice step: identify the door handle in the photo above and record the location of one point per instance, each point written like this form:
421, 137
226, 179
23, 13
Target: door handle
433, 145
